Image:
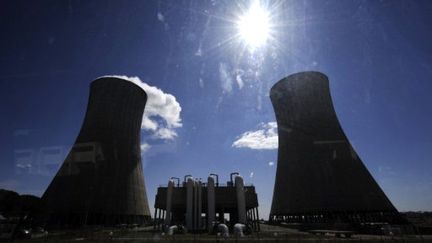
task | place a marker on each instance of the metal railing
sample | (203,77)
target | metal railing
(205,185)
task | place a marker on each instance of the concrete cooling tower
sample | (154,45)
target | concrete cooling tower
(101,180)
(319,178)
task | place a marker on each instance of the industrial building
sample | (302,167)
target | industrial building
(319,178)
(201,206)
(101,180)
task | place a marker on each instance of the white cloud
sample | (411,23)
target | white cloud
(265,137)
(160,17)
(162,111)
(148,124)
(225,77)
(239,79)
(271,163)
(199,51)
(251,174)
(145,147)
(165,133)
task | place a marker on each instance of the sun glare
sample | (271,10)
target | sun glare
(254,26)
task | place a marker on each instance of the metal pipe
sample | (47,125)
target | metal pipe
(189,203)
(186,176)
(210,203)
(178,180)
(217,178)
(195,203)
(241,200)
(199,204)
(231,177)
(172,230)
(223,229)
(170,189)
(239,229)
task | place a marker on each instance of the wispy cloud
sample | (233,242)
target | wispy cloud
(271,163)
(386,171)
(239,79)
(265,137)
(225,77)
(162,111)
(160,17)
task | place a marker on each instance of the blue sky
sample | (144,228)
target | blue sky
(377,55)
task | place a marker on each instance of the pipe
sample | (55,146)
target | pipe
(217,179)
(172,229)
(241,200)
(186,176)
(178,180)
(169,202)
(223,229)
(239,230)
(195,203)
(199,205)
(210,203)
(231,176)
(189,203)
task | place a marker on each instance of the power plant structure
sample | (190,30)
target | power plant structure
(203,206)
(101,180)
(319,178)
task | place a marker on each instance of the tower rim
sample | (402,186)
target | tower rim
(297,76)
(105,78)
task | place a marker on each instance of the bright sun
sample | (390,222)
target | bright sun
(254,26)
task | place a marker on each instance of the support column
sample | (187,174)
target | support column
(154,219)
(254,223)
(221,216)
(158,218)
(162,216)
(258,219)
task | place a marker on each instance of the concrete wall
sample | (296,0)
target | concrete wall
(318,171)
(106,188)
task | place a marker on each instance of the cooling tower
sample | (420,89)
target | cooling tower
(319,176)
(101,180)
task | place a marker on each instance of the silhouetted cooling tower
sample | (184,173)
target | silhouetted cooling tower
(319,176)
(101,180)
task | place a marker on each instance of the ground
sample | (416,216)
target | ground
(269,233)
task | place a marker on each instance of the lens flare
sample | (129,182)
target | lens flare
(254,26)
